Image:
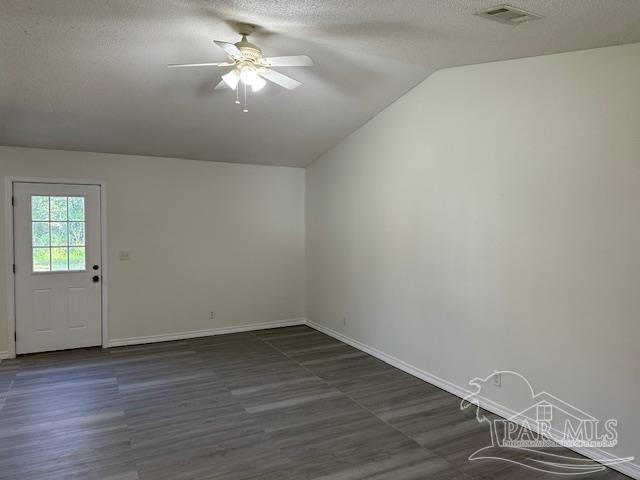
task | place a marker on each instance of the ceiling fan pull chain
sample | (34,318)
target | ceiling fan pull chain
(237,96)
(245,109)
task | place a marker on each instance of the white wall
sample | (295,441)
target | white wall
(203,236)
(490,219)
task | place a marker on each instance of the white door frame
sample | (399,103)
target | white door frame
(10,252)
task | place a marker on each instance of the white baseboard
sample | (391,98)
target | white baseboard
(628,468)
(4,355)
(396,362)
(120,342)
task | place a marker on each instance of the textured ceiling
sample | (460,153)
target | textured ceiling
(91,74)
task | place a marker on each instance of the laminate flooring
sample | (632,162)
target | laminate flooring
(281,404)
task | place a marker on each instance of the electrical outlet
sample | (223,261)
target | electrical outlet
(212,315)
(497,379)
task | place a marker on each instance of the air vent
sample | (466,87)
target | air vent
(508,14)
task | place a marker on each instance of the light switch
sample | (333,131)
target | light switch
(125,255)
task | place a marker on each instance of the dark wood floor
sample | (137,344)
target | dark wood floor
(285,404)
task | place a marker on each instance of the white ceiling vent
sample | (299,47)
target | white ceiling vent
(508,14)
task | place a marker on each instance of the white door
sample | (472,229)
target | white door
(58,265)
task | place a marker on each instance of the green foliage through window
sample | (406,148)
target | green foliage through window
(58,233)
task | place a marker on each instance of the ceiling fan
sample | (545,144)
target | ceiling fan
(250,68)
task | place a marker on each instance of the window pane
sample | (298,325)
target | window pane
(76,258)
(59,234)
(76,233)
(76,208)
(58,208)
(41,260)
(40,234)
(40,208)
(59,259)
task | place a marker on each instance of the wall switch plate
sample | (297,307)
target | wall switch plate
(124,255)
(344,321)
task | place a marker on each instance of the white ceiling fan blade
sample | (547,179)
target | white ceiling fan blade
(291,61)
(280,79)
(210,64)
(230,50)
(221,85)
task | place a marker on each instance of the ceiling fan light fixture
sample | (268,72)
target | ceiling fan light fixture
(231,79)
(258,83)
(248,75)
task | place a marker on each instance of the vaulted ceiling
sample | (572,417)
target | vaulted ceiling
(91,74)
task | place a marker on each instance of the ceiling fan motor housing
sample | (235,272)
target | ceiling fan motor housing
(249,50)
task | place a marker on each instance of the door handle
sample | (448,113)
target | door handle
(96,278)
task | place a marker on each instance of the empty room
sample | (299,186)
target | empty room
(319,240)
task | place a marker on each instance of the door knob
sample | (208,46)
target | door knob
(96,278)
(96,267)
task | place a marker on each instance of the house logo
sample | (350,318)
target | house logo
(537,433)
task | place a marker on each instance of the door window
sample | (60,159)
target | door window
(58,242)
